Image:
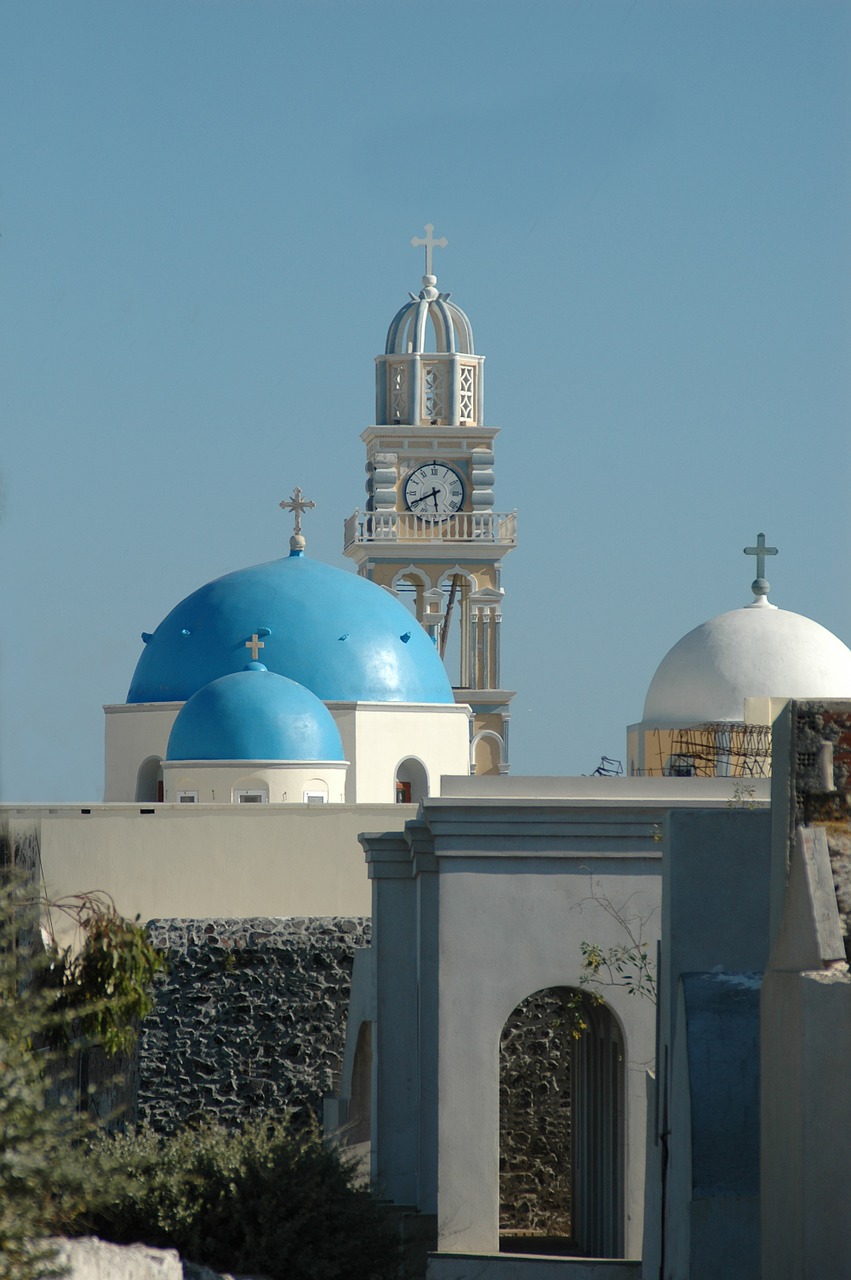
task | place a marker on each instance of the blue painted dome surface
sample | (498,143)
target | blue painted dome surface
(341,636)
(254,715)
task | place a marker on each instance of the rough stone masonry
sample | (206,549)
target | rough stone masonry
(249,1019)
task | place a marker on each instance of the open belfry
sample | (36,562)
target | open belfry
(429,532)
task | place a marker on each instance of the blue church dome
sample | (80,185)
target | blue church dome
(254,715)
(341,636)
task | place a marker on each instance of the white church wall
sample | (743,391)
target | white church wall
(378,736)
(133,732)
(282,782)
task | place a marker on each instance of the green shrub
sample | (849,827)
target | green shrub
(267,1199)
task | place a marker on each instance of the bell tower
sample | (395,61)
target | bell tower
(429,532)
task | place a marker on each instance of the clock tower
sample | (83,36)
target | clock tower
(429,532)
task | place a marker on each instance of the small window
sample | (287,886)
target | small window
(250,797)
(315,797)
(187,797)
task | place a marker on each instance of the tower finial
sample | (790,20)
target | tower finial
(430,244)
(297,504)
(760,585)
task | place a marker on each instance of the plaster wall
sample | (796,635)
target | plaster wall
(212,860)
(378,736)
(715,917)
(283,782)
(132,733)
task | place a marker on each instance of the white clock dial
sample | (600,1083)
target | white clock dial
(434,490)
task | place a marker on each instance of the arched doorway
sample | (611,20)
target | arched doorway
(149,780)
(561,1127)
(411,781)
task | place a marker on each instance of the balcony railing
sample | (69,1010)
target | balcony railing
(404,526)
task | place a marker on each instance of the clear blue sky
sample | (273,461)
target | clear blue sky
(205,222)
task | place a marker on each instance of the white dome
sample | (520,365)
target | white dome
(754,652)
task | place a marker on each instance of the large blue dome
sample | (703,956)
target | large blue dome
(254,715)
(339,635)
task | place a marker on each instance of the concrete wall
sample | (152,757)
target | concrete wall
(715,923)
(196,861)
(806,1098)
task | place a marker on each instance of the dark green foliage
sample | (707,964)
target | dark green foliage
(266,1199)
(43,1184)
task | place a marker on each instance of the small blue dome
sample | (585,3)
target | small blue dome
(254,715)
(341,636)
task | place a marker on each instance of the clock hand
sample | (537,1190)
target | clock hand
(425,496)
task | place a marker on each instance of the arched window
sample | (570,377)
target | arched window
(411,781)
(561,1127)
(149,780)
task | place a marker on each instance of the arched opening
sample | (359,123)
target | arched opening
(561,1127)
(454,639)
(409,586)
(149,780)
(250,790)
(487,752)
(411,781)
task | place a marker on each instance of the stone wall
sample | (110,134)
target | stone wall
(250,1018)
(536,1048)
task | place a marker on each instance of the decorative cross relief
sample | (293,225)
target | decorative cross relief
(255,644)
(430,244)
(297,504)
(760,551)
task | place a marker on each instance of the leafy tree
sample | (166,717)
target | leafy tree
(626,964)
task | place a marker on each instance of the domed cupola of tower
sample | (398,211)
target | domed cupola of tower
(429,375)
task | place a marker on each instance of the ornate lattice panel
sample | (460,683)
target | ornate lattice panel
(399,392)
(467,393)
(434,392)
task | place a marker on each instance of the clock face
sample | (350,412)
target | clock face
(434,490)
